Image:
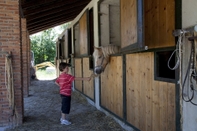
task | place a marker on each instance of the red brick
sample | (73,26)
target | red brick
(10,41)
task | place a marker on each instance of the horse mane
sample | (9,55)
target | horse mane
(109,50)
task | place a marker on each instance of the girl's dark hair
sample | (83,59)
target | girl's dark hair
(63,65)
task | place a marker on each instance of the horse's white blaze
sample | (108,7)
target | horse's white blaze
(95,55)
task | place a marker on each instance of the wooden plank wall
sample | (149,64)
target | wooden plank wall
(65,44)
(104,24)
(57,67)
(78,73)
(83,34)
(111,86)
(159,23)
(114,19)
(150,104)
(128,22)
(76,40)
(88,86)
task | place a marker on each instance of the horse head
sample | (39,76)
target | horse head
(101,57)
(100,61)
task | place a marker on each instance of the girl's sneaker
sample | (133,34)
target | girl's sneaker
(65,122)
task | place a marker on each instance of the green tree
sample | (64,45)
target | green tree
(43,44)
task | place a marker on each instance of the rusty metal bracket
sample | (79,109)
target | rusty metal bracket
(8,54)
(187,31)
(179,32)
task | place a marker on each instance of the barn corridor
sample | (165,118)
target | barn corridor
(42,112)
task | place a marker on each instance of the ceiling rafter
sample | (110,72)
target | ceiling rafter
(62,18)
(54,6)
(55,12)
(42,28)
(43,14)
(34,3)
(50,22)
(55,16)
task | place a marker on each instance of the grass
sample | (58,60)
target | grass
(43,74)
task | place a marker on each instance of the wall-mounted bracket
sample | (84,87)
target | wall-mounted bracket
(8,54)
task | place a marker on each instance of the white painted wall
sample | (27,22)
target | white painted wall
(96,43)
(189,13)
(189,19)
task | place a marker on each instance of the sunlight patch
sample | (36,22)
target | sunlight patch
(48,74)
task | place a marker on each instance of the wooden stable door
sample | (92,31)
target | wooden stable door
(150,103)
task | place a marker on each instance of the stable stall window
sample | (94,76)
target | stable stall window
(84,36)
(109,22)
(67,44)
(121,23)
(164,61)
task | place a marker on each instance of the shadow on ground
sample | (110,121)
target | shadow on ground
(42,112)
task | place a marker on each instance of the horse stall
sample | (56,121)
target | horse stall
(138,85)
(83,49)
(63,49)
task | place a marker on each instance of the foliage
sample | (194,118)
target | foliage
(64,26)
(43,44)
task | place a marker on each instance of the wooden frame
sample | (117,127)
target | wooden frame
(67,44)
(139,45)
(109,31)
(61,48)
(178,25)
(76,39)
(90,21)
(83,43)
(83,27)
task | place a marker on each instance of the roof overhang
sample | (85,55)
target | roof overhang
(44,14)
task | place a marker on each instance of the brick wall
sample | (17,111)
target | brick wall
(10,41)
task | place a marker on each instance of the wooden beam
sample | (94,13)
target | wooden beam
(47,24)
(44,14)
(54,6)
(35,3)
(53,12)
(22,1)
(55,16)
(52,21)
(36,30)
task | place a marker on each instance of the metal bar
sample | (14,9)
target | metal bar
(178,32)
(187,31)
(192,38)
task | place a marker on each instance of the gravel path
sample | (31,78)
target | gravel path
(42,112)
